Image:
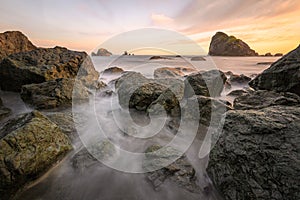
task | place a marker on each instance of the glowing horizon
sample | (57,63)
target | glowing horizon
(266,26)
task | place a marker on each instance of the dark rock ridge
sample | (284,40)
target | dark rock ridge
(102,52)
(257,154)
(158,58)
(43,64)
(262,99)
(29,145)
(224,45)
(198,58)
(3,110)
(14,42)
(54,93)
(281,76)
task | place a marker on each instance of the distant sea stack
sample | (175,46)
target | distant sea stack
(14,42)
(224,45)
(102,52)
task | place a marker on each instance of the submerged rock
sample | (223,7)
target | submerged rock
(208,83)
(112,70)
(158,58)
(14,42)
(257,154)
(239,79)
(168,72)
(262,99)
(224,45)
(4,112)
(54,93)
(43,64)
(238,92)
(281,76)
(198,58)
(180,172)
(29,145)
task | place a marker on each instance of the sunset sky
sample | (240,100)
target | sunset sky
(266,25)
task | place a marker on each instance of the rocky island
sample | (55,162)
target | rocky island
(223,45)
(102,52)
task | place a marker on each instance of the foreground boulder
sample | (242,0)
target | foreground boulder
(208,83)
(262,99)
(239,79)
(29,145)
(3,110)
(54,93)
(281,76)
(112,70)
(180,172)
(14,42)
(257,154)
(224,45)
(136,91)
(43,64)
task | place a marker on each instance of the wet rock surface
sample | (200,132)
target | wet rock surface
(29,145)
(257,154)
(181,172)
(168,72)
(4,112)
(281,76)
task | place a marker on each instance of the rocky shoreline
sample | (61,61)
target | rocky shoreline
(255,157)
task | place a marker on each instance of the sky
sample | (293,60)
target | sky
(266,25)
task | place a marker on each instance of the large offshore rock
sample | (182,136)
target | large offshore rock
(208,83)
(262,99)
(281,76)
(42,64)
(14,42)
(3,110)
(180,172)
(54,93)
(102,52)
(29,145)
(257,154)
(224,45)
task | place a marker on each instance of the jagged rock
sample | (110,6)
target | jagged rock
(264,63)
(3,110)
(29,145)
(198,58)
(43,64)
(168,72)
(281,76)
(239,79)
(257,154)
(54,93)
(208,83)
(112,70)
(102,52)
(180,172)
(224,45)
(14,42)
(262,99)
